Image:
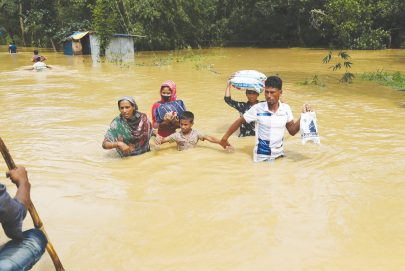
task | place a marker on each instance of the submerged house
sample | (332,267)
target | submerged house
(121,47)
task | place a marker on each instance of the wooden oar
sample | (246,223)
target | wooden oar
(33,212)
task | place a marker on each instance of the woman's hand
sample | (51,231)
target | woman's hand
(158,139)
(170,116)
(171,119)
(124,147)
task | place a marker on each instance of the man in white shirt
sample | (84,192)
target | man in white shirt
(271,117)
(39,65)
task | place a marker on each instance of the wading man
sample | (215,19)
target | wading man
(272,118)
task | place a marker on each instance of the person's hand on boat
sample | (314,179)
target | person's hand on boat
(18,176)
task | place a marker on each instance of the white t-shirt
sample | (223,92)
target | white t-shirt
(270,128)
(39,66)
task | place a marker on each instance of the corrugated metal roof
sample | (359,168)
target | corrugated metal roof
(78,35)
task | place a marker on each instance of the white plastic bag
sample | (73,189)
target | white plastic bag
(309,128)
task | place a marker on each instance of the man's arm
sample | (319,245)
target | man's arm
(227,98)
(294,127)
(19,177)
(14,210)
(234,126)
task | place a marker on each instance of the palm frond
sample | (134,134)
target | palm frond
(327,58)
(336,67)
(344,55)
(347,64)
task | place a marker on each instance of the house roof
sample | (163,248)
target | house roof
(78,35)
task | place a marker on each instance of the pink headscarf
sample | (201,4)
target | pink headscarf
(172,85)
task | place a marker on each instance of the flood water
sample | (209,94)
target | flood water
(336,206)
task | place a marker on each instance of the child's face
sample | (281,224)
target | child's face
(252,96)
(185,126)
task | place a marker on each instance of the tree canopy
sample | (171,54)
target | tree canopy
(174,24)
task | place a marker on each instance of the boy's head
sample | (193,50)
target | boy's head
(252,96)
(36,52)
(186,121)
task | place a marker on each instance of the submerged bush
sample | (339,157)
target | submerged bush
(395,79)
(313,81)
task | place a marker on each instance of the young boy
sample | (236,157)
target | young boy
(246,129)
(187,137)
(36,55)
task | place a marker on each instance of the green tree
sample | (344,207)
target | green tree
(73,15)
(105,22)
(9,18)
(351,24)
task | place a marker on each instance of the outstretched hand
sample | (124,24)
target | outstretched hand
(158,140)
(224,143)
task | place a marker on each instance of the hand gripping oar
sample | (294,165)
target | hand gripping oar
(34,215)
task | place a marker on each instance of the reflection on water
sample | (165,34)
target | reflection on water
(337,206)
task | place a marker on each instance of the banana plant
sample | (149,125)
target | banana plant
(343,61)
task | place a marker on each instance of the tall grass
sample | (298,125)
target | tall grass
(394,80)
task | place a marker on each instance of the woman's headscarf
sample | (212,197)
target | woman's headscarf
(172,85)
(129,99)
(134,121)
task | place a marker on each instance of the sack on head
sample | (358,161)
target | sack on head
(248,80)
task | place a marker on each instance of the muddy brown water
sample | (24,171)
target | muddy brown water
(336,206)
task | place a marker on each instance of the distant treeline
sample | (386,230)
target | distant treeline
(176,24)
